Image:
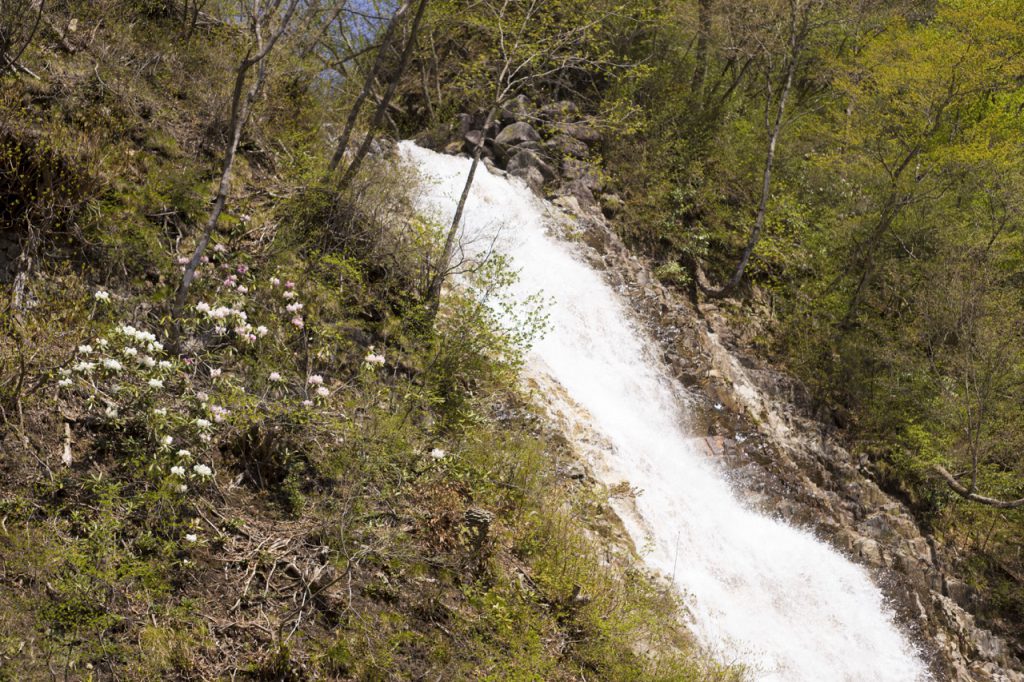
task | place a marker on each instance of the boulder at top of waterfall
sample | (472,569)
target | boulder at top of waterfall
(516,110)
(517,133)
(583,196)
(560,111)
(531,176)
(472,139)
(504,153)
(525,158)
(581,131)
(586,173)
(465,124)
(493,169)
(563,145)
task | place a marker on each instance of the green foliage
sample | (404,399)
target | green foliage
(276,483)
(892,246)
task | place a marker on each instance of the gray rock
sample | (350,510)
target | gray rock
(562,145)
(517,109)
(587,173)
(517,133)
(472,139)
(493,169)
(465,124)
(525,158)
(579,190)
(531,176)
(581,131)
(560,111)
(504,153)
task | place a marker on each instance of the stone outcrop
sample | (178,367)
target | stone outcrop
(551,148)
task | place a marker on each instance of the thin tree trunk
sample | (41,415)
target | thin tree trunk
(774,128)
(382,106)
(371,77)
(12,59)
(700,70)
(241,110)
(434,291)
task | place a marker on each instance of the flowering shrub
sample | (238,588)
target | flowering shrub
(237,365)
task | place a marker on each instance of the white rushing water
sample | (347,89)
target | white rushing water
(761,592)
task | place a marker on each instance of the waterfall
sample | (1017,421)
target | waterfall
(760,591)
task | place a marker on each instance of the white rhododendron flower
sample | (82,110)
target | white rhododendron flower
(316,380)
(191,537)
(203,423)
(166,440)
(101,295)
(85,348)
(112,364)
(202,470)
(275,376)
(184,453)
(64,382)
(155,383)
(438,454)
(323,391)
(178,470)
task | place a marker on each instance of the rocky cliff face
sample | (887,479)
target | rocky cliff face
(757,421)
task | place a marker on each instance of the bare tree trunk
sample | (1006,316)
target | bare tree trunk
(385,101)
(773,128)
(12,46)
(371,77)
(700,71)
(241,110)
(434,291)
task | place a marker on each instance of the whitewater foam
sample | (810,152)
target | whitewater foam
(760,591)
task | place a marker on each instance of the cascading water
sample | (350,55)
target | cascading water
(760,591)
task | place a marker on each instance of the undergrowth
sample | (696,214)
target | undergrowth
(306,477)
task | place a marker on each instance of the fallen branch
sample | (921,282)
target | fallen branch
(969,494)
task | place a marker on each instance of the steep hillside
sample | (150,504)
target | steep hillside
(305,474)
